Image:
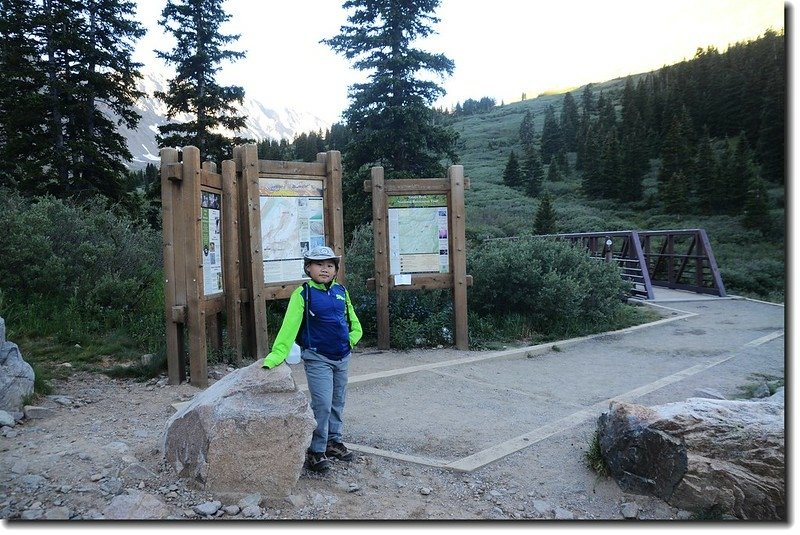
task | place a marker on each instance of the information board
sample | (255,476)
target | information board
(210,214)
(418,240)
(292,222)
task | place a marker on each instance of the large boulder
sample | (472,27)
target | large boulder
(704,455)
(16,375)
(247,433)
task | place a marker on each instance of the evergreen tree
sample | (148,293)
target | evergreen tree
(197,55)
(705,171)
(756,206)
(25,145)
(389,117)
(545,221)
(526,130)
(553,171)
(610,166)
(771,144)
(551,135)
(66,64)
(676,152)
(587,101)
(592,179)
(533,173)
(512,174)
(742,174)
(570,119)
(675,194)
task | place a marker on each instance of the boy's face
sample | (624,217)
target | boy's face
(322,271)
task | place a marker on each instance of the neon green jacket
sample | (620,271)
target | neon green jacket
(293,320)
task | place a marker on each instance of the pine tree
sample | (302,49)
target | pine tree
(533,173)
(197,55)
(705,171)
(676,152)
(610,166)
(25,146)
(553,171)
(592,178)
(756,206)
(551,135)
(675,194)
(512,174)
(526,130)
(66,65)
(742,173)
(389,116)
(545,221)
(570,119)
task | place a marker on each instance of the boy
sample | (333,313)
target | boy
(321,319)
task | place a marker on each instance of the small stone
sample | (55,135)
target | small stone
(425,491)
(630,510)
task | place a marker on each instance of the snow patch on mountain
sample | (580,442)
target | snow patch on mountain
(261,122)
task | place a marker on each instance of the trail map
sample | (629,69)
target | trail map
(418,236)
(291,224)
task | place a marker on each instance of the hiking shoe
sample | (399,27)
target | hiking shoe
(317,462)
(337,450)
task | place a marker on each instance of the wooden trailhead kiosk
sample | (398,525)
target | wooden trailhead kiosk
(235,239)
(419,242)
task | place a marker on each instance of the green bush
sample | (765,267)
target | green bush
(555,286)
(71,271)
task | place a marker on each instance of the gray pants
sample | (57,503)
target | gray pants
(327,386)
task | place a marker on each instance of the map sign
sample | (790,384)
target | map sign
(418,234)
(291,224)
(212,242)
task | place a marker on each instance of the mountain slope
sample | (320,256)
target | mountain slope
(262,122)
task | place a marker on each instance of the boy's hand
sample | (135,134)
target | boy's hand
(272,360)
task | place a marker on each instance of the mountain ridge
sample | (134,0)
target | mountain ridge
(261,123)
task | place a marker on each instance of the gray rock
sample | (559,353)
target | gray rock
(630,510)
(250,500)
(248,431)
(701,454)
(58,513)
(208,508)
(564,514)
(136,505)
(542,507)
(251,511)
(231,510)
(36,412)
(16,375)
(6,419)
(137,472)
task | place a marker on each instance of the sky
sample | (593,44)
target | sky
(501,48)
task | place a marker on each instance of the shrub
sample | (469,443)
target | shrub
(556,286)
(71,270)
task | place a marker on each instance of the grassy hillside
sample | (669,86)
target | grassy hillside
(751,264)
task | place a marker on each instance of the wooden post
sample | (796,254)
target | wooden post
(248,345)
(333,203)
(230,244)
(459,255)
(195,309)
(380,227)
(169,206)
(254,256)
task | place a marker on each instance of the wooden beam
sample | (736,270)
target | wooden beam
(380,227)
(458,255)
(231,258)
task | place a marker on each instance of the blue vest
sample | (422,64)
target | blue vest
(325,327)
